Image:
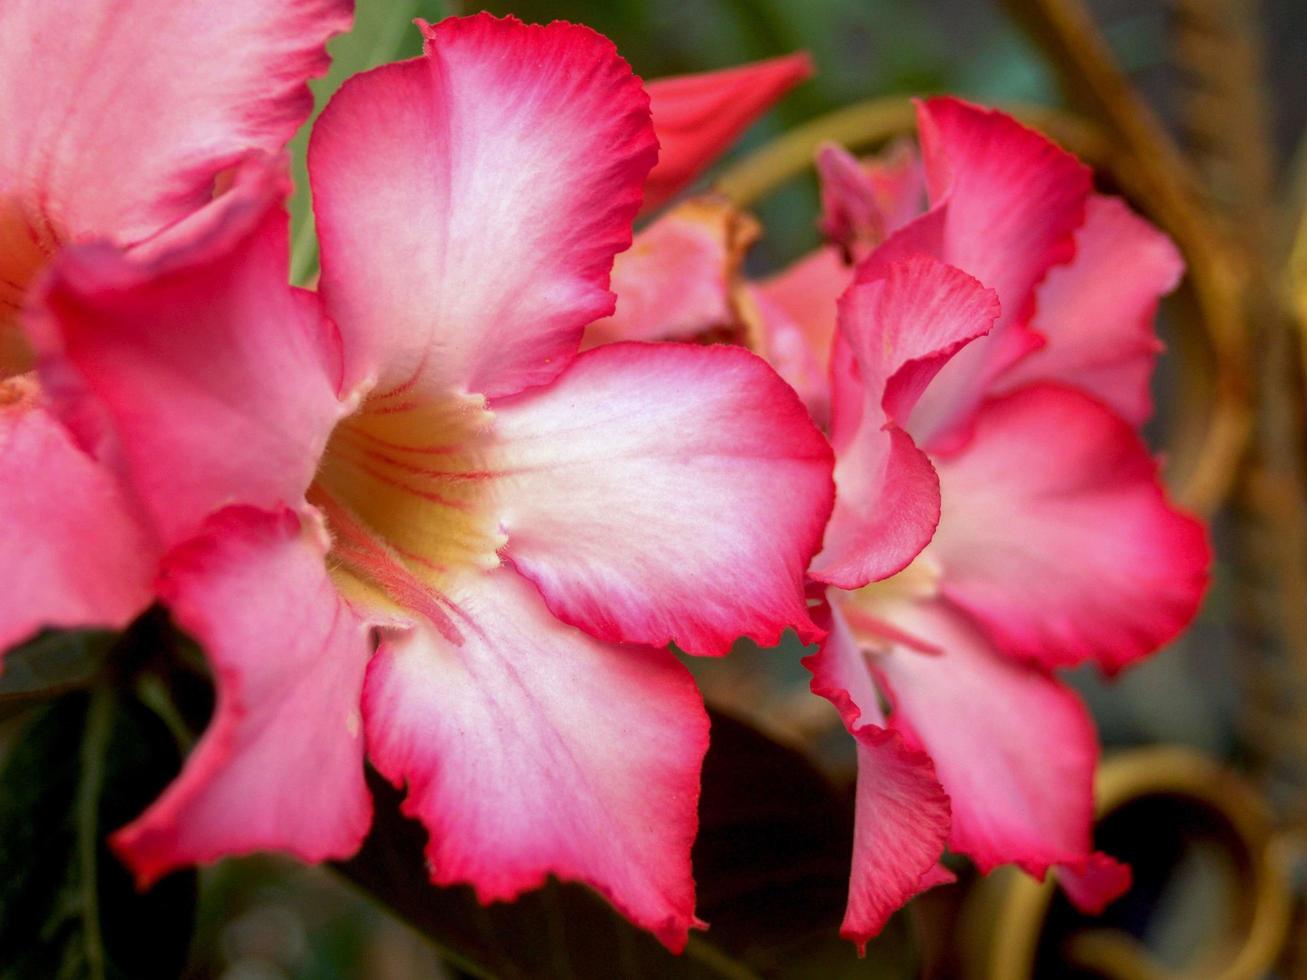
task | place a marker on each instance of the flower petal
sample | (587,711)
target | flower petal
(902,819)
(899,832)
(899,326)
(1097,313)
(677,280)
(638,487)
(863,201)
(1014,749)
(214,378)
(118,117)
(1058,537)
(795,329)
(72,551)
(1014,197)
(281,764)
(1005,204)
(697,117)
(1095,882)
(469,203)
(886,509)
(531,749)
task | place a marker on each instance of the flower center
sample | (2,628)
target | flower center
(406,490)
(27,241)
(920,580)
(20,390)
(870,610)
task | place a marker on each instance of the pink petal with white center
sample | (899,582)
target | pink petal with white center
(677,279)
(119,115)
(863,201)
(1058,537)
(697,117)
(1097,313)
(638,487)
(899,326)
(72,552)
(1013,748)
(795,312)
(469,204)
(1005,204)
(204,376)
(530,749)
(902,819)
(281,764)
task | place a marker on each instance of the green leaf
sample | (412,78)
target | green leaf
(771,862)
(54,662)
(84,765)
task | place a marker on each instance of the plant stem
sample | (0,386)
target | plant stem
(99,716)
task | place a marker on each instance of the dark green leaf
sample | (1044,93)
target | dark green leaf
(85,765)
(54,662)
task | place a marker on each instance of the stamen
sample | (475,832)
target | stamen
(363,553)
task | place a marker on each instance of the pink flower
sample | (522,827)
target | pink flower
(977,423)
(420,452)
(178,97)
(982,379)
(117,121)
(697,117)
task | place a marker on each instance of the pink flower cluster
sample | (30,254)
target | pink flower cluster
(409,520)
(989,367)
